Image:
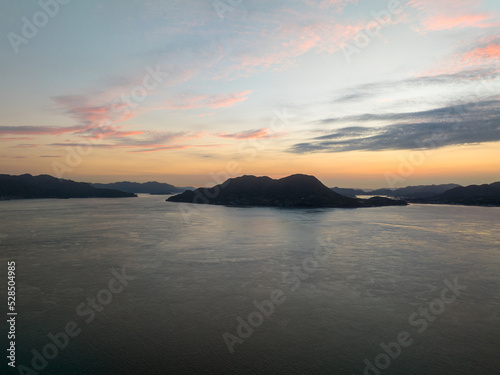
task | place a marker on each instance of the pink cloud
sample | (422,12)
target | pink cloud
(83,109)
(122,98)
(146,141)
(297,34)
(443,22)
(482,57)
(491,51)
(451,14)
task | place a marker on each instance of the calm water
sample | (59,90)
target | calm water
(376,267)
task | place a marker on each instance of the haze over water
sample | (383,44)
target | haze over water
(194,279)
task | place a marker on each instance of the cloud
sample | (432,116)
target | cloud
(275,34)
(9,139)
(480,57)
(208,101)
(121,98)
(248,134)
(92,111)
(26,145)
(158,138)
(91,132)
(469,110)
(371,90)
(452,14)
(151,140)
(470,123)
(270,35)
(175,147)
(483,53)
(107,131)
(39,130)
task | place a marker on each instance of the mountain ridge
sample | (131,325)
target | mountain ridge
(150,187)
(26,186)
(472,195)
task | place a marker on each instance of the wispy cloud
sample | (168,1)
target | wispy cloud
(248,134)
(476,60)
(488,52)
(452,14)
(175,147)
(146,140)
(91,110)
(454,112)
(26,145)
(39,130)
(215,101)
(9,139)
(457,125)
(369,91)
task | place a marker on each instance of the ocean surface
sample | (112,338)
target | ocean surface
(319,291)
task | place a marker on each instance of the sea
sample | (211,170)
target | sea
(145,286)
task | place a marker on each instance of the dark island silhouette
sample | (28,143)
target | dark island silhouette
(151,187)
(27,186)
(348,192)
(473,195)
(414,192)
(293,191)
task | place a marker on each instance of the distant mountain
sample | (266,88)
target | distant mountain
(292,191)
(419,191)
(473,195)
(349,192)
(44,186)
(151,187)
(422,191)
(383,191)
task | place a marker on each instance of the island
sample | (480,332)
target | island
(27,186)
(151,187)
(487,195)
(297,190)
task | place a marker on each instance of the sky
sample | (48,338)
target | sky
(359,93)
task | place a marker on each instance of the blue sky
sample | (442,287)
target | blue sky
(176,90)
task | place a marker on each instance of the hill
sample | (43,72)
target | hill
(418,191)
(27,186)
(348,192)
(473,195)
(422,191)
(293,191)
(151,187)
(383,191)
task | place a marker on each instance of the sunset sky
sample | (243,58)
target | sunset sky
(359,93)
